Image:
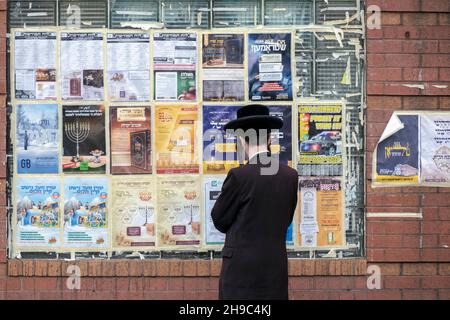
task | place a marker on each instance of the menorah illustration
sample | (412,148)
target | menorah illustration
(77,132)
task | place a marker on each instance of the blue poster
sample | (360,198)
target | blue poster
(85,213)
(37,212)
(398,154)
(37,138)
(269,66)
(219,149)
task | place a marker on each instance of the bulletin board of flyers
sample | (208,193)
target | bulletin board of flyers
(119,144)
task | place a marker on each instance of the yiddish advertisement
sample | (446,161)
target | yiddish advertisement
(223,67)
(435,148)
(133,212)
(397,152)
(213,187)
(37,141)
(321,212)
(320,134)
(84,146)
(130,137)
(178,216)
(128,66)
(219,149)
(86,222)
(82,66)
(269,66)
(35,65)
(176,139)
(37,213)
(175,63)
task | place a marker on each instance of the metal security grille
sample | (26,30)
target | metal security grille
(24,14)
(94,14)
(185,14)
(329,62)
(133,11)
(229,13)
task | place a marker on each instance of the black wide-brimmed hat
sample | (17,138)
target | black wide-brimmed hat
(254,116)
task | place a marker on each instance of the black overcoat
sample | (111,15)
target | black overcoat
(255,211)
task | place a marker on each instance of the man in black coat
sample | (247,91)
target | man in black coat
(255,209)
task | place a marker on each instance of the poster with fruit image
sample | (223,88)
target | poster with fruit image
(178,211)
(133,210)
(86,222)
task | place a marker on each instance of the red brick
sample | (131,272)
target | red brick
(191,283)
(402,32)
(13,284)
(435,32)
(419,19)
(416,269)
(156,284)
(420,103)
(420,74)
(384,294)
(444,102)
(436,200)
(404,254)
(203,268)
(435,282)
(419,294)
(436,60)
(105,284)
(390,18)
(176,283)
(392,60)
(384,46)
(444,46)
(444,269)
(393,200)
(301,283)
(444,74)
(46,284)
(396,6)
(390,269)
(189,268)
(384,102)
(376,74)
(176,268)
(401,282)
(435,6)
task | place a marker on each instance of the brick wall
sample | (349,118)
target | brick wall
(412,48)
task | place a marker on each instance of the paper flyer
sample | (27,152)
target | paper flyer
(213,187)
(178,211)
(35,65)
(84,146)
(130,138)
(397,154)
(81,57)
(37,141)
(37,213)
(174,64)
(435,148)
(128,66)
(176,139)
(223,67)
(321,212)
(220,150)
(320,134)
(86,221)
(269,66)
(133,212)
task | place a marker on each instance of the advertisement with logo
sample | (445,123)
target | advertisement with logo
(84,145)
(321,212)
(130,139)
(86,221)
(320,134)
(269,66)
(37,140)
(37,213)
(435,148)
(397,153)
(178,211)
(176,139)
(133,212)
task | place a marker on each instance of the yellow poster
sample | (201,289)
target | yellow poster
(176,139)
(321,212)
(133,207)
(178,211)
